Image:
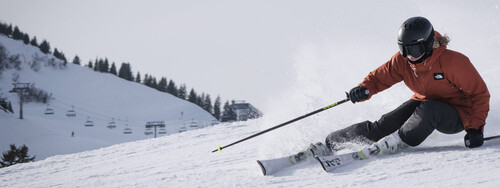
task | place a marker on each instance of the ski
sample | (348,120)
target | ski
(272,166)
(332,162)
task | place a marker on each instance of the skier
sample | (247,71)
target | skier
(449,96)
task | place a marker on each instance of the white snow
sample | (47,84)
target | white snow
(323,70)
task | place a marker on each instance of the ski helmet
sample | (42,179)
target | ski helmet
(416,37)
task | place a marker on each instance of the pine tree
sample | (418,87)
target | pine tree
(182,93)
(3,28)
(200,100)
(125,72)
(217,112)
(16,155)
(112,70)
(76,60)
(90,65)
(34,42)
(17,34)
(162,85)
(138,77)
(172,88)
(8,31)
(192,96)
(26,38)
(146,80)
(63,57)
(45,47)
(154,83)
(207,104)
(60,55)
(105,65)
(56,53)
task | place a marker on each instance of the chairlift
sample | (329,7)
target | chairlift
(71,113)
(193,124)
(127,131)
(89,123)
(182,129)
(162,130)
(112,124)
(49,111)
(148,131)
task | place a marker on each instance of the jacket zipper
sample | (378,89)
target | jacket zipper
(415,69)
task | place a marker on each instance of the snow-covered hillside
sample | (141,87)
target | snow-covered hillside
(97,97)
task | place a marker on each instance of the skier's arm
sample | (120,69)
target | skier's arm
(384,76)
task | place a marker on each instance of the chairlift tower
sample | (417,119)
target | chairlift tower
(155,125)
(21,89)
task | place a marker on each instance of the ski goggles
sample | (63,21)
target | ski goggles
(415,50)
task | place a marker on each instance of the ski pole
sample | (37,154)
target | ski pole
(283,124)
(492,137)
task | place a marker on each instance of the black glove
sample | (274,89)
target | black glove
(473,138)
(358,93)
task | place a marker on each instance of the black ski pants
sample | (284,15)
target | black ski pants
(414,120)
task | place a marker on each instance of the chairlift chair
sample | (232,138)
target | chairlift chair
(112,124)
(49,111)
(193,124)
(148,131)
(127,131)
(182,129)
(71,113)
(89,123)
(162,131)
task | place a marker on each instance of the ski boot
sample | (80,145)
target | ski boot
(319,149)
(388,145)
(312,151)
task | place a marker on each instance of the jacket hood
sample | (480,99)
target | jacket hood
(440,40)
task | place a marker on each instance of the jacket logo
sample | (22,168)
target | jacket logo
(438,76)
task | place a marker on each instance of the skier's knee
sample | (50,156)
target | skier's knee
(410,140)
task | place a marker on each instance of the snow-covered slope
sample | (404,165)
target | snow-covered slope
(98,97)
(185,160)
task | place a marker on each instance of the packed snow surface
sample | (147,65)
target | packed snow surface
(185,160)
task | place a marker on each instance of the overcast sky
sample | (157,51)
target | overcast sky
(243,50)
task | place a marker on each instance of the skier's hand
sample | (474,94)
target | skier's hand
(473,138)
(358,93)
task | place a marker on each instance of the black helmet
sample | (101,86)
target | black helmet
(416,37)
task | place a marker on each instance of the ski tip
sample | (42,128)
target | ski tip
(320,162)
(262,167)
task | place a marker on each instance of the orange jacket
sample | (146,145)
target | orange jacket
(445,76)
